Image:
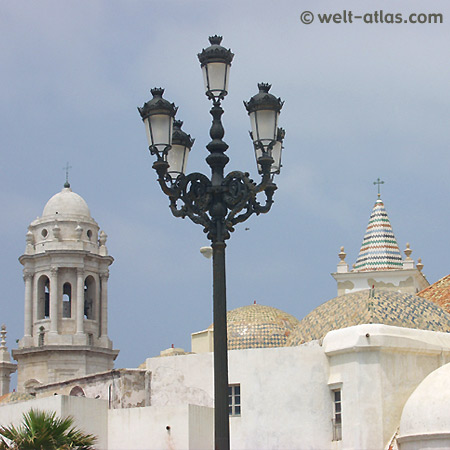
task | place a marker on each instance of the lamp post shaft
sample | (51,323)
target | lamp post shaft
(218,210)
(221,417)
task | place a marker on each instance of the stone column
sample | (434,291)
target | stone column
(28,278)
(80,301)
(35,296)
(6,366)
(104,303)
(54,300)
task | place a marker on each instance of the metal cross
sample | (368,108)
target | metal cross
(67,172)
(379,182)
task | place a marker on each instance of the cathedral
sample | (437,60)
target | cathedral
(367,369)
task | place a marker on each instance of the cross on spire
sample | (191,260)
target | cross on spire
(379,182)
(67,184)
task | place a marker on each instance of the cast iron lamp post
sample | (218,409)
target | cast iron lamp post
(220,202)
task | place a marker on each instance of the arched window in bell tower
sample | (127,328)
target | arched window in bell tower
(89,297)
(67,300)
(43,298)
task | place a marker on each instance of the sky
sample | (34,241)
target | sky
(362,101)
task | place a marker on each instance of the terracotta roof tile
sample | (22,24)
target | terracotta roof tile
(438,293)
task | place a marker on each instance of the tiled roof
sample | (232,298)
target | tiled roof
(370,306)
(438,293)
(13,397)
(258,326)
(379,250)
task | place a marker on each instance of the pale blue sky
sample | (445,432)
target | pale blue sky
(362,101)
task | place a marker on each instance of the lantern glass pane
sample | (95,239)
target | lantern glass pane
(258,154)
(177,159)
(266,126)
(215,76)
(185,160)
(147,132)
(160,130)
(276,155)
(253,125)
(205,77)
(227,76)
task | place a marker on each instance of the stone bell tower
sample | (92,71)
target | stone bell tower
(66,295)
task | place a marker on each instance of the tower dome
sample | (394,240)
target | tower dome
(370,306)
(258,326)
(68,203)
(66,223)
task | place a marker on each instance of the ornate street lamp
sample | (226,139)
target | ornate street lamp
(158,115)
(220,202)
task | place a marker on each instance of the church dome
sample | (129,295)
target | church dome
(258,326)
(426,413)
(66,202)
(370,306)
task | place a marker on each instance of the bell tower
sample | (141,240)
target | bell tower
(66,295)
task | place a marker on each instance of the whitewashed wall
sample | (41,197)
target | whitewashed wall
(190,428)
(284,394)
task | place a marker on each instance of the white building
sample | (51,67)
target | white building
(365,370)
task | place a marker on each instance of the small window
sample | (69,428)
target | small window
(90,339)
(89,297)
(337,415)
(234,400)
(110,399)
(67,300)
(43,294)
(89,234)
(77,391)
(44,233)
(47,301)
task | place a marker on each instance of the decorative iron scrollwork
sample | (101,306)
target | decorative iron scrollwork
(219,203)
(194,191)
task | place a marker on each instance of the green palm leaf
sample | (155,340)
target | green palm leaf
(41,430)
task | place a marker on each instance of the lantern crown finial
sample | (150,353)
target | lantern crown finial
(215,40)
(179,136)
(157,92)
(215,52)
(157,105)
(264,100)
(264,87)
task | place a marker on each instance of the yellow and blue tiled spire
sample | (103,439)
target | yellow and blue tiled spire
(379,250)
